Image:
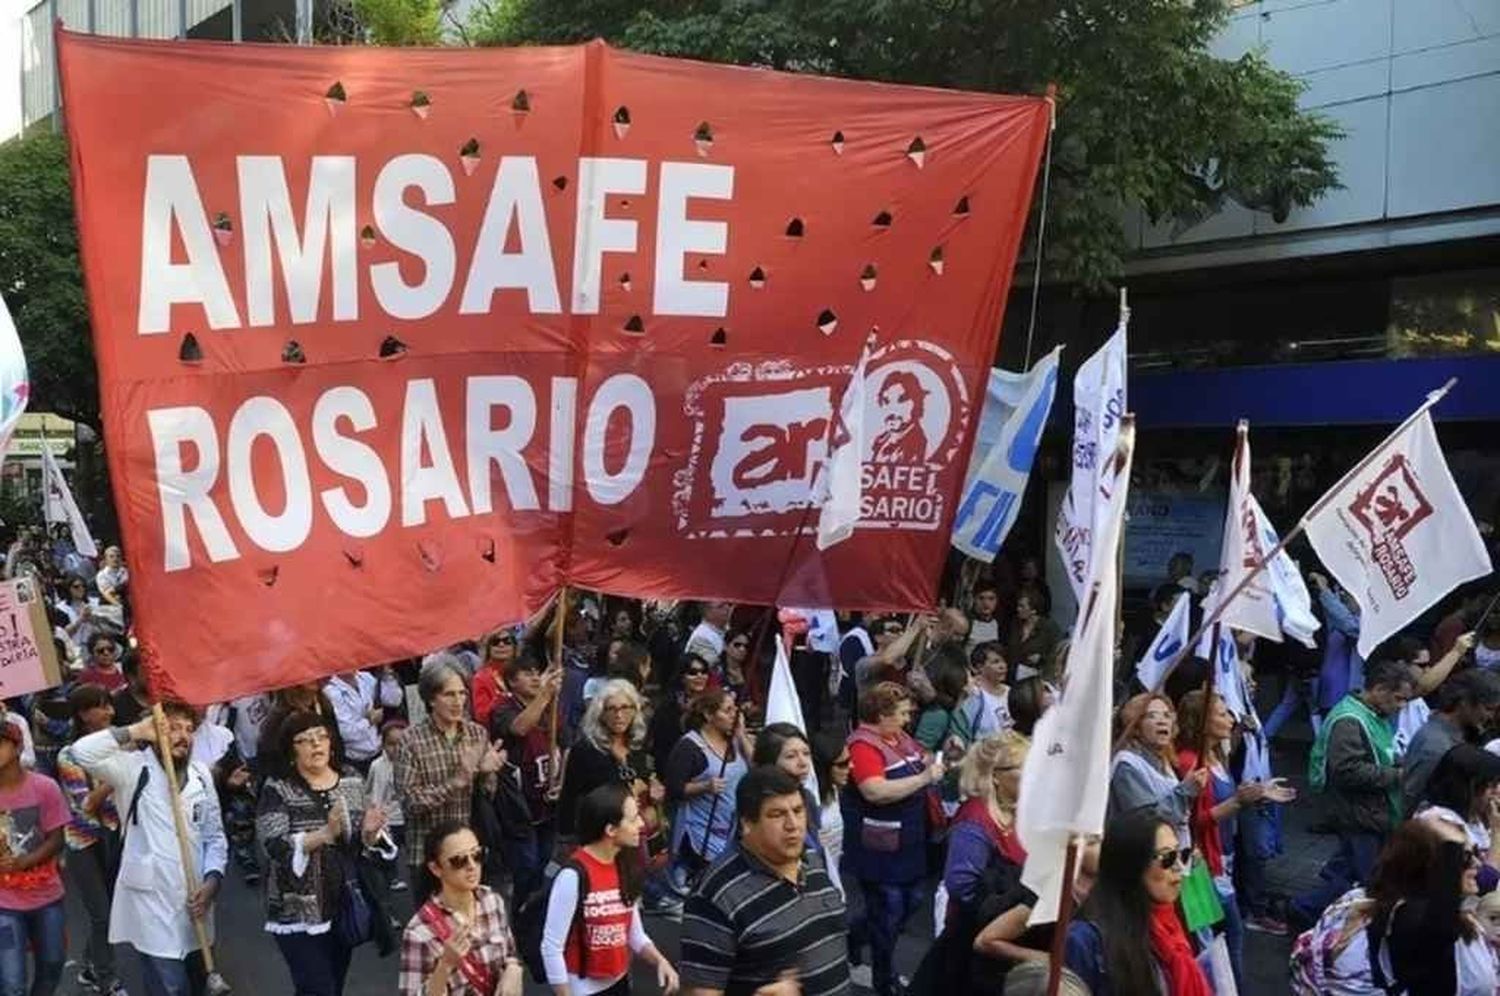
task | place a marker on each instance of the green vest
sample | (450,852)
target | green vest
(1378,733)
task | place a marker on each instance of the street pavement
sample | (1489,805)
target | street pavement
(251,963)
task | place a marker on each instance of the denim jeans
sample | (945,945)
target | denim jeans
(1349,867)
(173,976)
(90,875)
(42,930)
(527,859)
(888,905)
(318,962)
(1299,691)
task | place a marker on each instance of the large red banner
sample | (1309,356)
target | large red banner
(394,342)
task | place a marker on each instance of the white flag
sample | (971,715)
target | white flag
(1229,680)
(1294,611)
(1098,404)
(1065,781)
(1015,413)
(1151,669)
(55,486)
(1398,535)
(15,386)
(1253,609)
(842,475)
(784,705)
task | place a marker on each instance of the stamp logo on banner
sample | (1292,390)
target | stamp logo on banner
(1389,508)
(760,438)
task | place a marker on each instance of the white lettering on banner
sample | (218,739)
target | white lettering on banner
(622,409)
(328,221)
(325,240)
(1099,404)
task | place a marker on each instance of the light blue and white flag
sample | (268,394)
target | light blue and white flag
(1294,612)
(1005,444)
(1154,667)
(15,385)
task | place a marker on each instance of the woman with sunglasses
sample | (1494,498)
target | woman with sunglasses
(701,775)
(103,665)
(1128,939)
(594,907)
(314,823)
(831,763)
(1143,772)
(496,651)
(459,942)
(666,721)
(77,607)
(732,663)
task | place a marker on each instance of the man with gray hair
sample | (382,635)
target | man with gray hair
(440,763)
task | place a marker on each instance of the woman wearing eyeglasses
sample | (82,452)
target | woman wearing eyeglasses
(701,775)
(593,922)
(496,651)
(666,721)
(1143,772)
(1128,939)
(610,748)
(314,823)
(732,663)
(459,942)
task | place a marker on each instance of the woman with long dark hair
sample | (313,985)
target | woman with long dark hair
(594,907)
(732,664)
(784,746)
(1464,790)
(667,720)
(1128,939)
(92,836)
(1026,701)
(701,775)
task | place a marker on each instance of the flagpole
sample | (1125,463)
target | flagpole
(1064,917)
(1260,565)
(558,646)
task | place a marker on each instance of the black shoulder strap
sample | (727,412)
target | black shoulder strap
(578,924)
(132,815)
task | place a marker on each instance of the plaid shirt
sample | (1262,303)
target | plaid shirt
(425,768)
(421,949)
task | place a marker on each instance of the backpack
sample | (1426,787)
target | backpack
(530,921)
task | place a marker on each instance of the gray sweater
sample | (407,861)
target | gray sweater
(1131,789)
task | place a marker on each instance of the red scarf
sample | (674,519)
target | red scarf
(1204,827)
(1004,838)
(1169,943)
(474,970)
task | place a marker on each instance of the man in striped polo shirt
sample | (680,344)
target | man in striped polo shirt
(767,912)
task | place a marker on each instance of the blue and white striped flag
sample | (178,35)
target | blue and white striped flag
(1153,667)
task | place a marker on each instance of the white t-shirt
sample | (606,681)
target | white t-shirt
(989,713)
(1486,657)
(707,641)
(983,632)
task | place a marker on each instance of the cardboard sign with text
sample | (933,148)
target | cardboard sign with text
(28,657)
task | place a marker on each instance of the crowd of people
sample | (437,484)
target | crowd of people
(541,808)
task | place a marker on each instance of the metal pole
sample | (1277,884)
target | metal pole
(135,18)
(93,16)
(237,20)
(56,79)
(182,19)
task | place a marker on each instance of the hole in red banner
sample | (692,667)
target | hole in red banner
(795,229)
(757,278)
(487,549)
(625,282)
(703,138)
(621,121)
(431,554)
(223,229)
(719,339)
(468,155)
(935,260)
(560,182)
(703,263)
(367,236)
(335,98)
(421,104)
(867,277)
(190,351)
(961,209)
(838,143)
(391,347)
(635,326)
(355,556)
(521,102)
(827,321)
(917,151)
(617,537)
(268,576)
(292,352)
(882,220)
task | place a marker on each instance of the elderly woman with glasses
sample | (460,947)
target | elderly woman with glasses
(459,942)
(611,747)
(496,651)
(313,822)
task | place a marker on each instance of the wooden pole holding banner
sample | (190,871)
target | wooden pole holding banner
(1064,917)
(559,636)
(184,849)
(1260,565)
